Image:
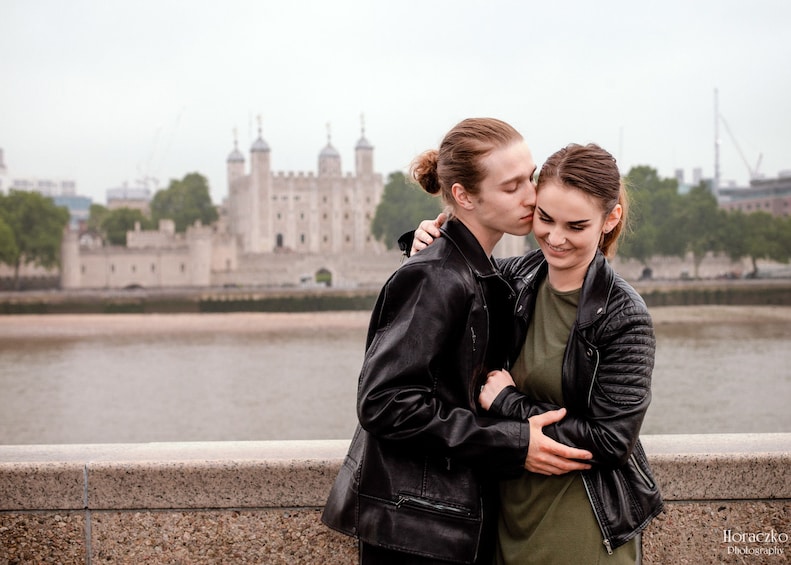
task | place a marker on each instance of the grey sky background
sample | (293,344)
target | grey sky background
(106,92)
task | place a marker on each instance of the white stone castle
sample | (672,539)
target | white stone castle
(325,213)
(275,229)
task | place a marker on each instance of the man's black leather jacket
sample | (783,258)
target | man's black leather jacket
(606,385)
(419,476)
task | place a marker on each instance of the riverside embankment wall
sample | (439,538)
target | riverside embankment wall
(728,501)
(196,300)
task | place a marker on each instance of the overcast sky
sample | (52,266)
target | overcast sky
(107,92)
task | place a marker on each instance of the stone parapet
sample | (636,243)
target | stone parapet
(260,502)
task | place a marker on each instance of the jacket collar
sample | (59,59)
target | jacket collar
(596,290)
(470,249)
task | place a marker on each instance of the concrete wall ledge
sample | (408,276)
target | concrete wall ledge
(207,502)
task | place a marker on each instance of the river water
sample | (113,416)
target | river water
(258,376)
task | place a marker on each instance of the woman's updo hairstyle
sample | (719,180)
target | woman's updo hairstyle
(592,170)
(458,159)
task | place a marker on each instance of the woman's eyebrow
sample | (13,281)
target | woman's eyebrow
(572,223)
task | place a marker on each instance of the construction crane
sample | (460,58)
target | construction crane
(754,171)
(719,118)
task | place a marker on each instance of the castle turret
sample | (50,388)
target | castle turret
(70,260)
(199,240)
(363,154)
(235,163)
(260,195)
(329,159)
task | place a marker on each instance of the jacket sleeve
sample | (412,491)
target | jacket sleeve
(608,424)
(408,391)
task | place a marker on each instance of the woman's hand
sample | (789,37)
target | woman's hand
(427,231)
(496,381)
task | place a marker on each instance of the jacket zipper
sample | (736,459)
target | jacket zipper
(605,541)
(642,473)
(416,502)
(593,379)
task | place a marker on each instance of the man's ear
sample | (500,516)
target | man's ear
(462,197)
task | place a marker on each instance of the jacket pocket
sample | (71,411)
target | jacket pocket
(420,503)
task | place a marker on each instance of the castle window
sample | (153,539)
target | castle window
(348,239)
(346,216)
(183,267)
(134,268)
(325,215)
(153,267)
(112,268)
(278,215)
(325,239)
(324,199)
(302,238)
(82,269)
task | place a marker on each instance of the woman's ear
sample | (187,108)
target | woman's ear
(462,197)
(612,219)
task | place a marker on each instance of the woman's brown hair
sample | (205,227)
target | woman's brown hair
(594,171)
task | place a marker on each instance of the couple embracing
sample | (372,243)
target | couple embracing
(500,401)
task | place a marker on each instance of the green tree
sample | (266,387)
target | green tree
(184,202)
(116,223)
(701,223)
(36,226)
(96,216)
(404,204)
(763,238)
(653,217)
(8,248)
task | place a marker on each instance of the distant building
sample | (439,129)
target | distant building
(79,209)
(274,230)
(45,186)
(136,198)
(62,191)
(328,212)
(767,195)
(697,176)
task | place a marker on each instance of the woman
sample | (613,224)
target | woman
(584,341)
(416,485)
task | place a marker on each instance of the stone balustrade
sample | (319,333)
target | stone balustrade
(728,501)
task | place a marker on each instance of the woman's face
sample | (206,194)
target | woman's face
(507,197)
(568,226)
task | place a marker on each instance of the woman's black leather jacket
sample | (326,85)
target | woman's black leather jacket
(419,474)
(606,385)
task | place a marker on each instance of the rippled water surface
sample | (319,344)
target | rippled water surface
(136,378)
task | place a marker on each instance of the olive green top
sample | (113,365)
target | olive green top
(548,519)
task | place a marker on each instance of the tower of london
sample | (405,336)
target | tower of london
(327,212)
(277,229)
